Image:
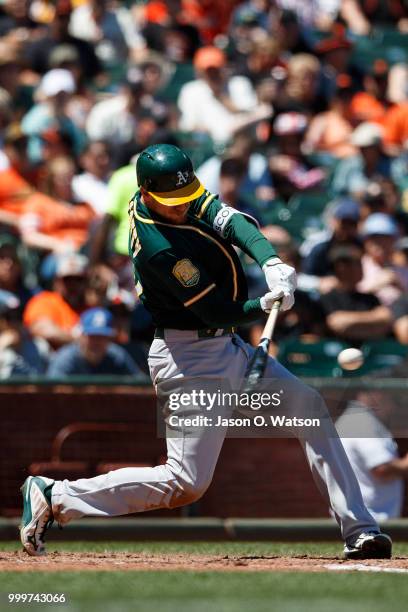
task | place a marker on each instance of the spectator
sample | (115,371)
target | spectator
(14,14)
(44,223)
(329,132)
(305,318)
(54,143)
(55,90)
(15,152)
(114,120)
(10,76)
(38,52)
(92,185)
(289,33)
(350,314)
(110,241)
(372,200)
(374,454)
(232,175)
(362,15)
(399,310)
(380,276)
(270,107)
(301,90)
(11,269)
(256,186)
(5,118)
(54,315)
(66,57)
(400,253)
(216,103)
(93,352)
(335,53)
(371,104)
(353,174)
(318,14)
(59,177)
(396,128)
(343,224)
(94,22)
(262,58)
(20,354)
(210,17)
(102,282)
(290,169)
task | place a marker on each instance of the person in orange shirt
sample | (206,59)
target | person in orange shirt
(396,128)
(372,103)
(44,222)
(330,131)
(54,315)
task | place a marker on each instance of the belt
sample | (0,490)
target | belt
(193,333)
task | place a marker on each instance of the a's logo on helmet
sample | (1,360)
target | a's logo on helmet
(182,178)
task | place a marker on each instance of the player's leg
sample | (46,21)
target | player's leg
(325,454)
(191,460)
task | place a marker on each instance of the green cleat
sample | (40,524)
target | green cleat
(37,514)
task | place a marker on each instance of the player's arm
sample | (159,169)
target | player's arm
(242,231)
(188,281)
(236,228)
(396,468)
(358,325)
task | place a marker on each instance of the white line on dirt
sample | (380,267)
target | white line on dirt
(360,567)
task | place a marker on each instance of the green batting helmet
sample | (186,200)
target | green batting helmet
(167,174)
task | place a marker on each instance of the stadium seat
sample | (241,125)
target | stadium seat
(315,358)
(379,46)
(382,354)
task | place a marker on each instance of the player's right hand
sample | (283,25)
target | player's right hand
(278,293)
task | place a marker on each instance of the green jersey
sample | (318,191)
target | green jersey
(189,276)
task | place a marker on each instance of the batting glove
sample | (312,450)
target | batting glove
(281,280)
(268,300)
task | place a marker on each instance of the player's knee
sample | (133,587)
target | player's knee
(188,492)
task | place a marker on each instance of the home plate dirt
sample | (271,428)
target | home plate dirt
(64,561)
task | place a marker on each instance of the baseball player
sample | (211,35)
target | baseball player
(188,275)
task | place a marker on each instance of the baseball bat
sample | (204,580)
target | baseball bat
(257,364)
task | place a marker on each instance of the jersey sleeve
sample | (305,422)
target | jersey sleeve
(235,227)
(189,282)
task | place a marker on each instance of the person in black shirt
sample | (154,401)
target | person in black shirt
(352,315)
(37,54)
(344,227)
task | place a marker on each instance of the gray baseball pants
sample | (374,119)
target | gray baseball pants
(191,461)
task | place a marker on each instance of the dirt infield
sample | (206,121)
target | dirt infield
(63,561)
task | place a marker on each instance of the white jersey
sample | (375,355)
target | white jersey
(382,498)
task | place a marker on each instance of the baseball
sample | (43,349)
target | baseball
(350,359)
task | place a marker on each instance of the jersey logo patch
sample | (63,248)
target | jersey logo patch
(186,273)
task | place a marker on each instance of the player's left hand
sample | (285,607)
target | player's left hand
(281,280)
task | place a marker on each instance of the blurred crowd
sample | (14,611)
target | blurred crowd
(294,112)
